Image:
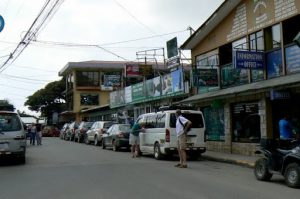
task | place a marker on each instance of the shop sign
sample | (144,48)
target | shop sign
(292,54)
(277,95)
(249,60)
(132,70)
(172,49)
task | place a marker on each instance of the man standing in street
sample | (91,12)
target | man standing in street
(134,138)
(182,124)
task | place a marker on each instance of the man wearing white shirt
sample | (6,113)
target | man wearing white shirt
(182,124)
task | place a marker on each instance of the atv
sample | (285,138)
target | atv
(276,159)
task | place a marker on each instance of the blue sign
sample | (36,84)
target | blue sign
(249,60)
(1,23)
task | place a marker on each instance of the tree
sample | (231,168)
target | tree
(5,105)
(48,100)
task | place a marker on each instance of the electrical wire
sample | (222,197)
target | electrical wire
(33,31)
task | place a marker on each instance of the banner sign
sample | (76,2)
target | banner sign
(132,70)
(249,60)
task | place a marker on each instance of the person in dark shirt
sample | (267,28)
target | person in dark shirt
(134,139)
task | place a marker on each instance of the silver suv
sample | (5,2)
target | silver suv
(97,130)
(12,136)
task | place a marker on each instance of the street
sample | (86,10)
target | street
(61,169)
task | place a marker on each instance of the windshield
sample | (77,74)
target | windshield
(9,122)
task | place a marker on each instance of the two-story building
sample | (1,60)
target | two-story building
(246,71)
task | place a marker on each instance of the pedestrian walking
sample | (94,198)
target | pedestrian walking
(39,134)
(134,138)
(182,125)
(32,134)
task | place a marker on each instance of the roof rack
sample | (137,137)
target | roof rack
(175,107)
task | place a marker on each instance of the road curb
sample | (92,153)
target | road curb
(230,161)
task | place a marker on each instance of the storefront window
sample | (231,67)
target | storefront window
(256,43)
(89,99)
(274,63)
(205,76)
(214,122)
(273,37)
(245,122)
(231,76)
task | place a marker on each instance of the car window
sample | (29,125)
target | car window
(196,119)
(124,128)
(106,125)
(9,122)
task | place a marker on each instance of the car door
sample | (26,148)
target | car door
(109,135)
(91,133)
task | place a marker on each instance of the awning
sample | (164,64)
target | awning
(256,87)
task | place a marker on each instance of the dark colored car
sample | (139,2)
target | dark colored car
(80,133)
(116,137)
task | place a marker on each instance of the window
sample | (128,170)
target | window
(214,120)
(90,78)
(9,122)
(89,99)
(196,119)
(256,43)
(245,122)
(273,37)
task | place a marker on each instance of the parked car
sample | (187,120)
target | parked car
(12,136)
(95,133)
(63,131)
(160,137)
(50,131)
(70,133)
(80,133)
(117,136)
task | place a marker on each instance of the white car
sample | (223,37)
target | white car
(160,138)
(12,136)
(95,133)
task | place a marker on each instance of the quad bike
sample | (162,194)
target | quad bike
(274,160)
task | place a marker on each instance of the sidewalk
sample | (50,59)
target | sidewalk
(243,160)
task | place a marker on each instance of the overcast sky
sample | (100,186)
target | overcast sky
(122,27)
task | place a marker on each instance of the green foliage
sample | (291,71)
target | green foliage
(48,100)
(6,106)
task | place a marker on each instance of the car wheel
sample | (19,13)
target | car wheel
(86,140)
(157,152)
(103,144)
(115,147)
(261,170)
(292,175)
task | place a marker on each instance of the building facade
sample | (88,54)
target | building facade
(246,73)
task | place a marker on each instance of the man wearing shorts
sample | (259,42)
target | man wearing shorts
(134,138)
(182,124)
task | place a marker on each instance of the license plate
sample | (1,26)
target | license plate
(3,146)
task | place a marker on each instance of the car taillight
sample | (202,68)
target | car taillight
(20,137)
(167,135)
(121,135)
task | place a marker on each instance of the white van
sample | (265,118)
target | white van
(12,135)
(160,139)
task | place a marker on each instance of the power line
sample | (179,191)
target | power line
(135,18)
(44,16)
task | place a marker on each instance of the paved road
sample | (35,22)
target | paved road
(66,170)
